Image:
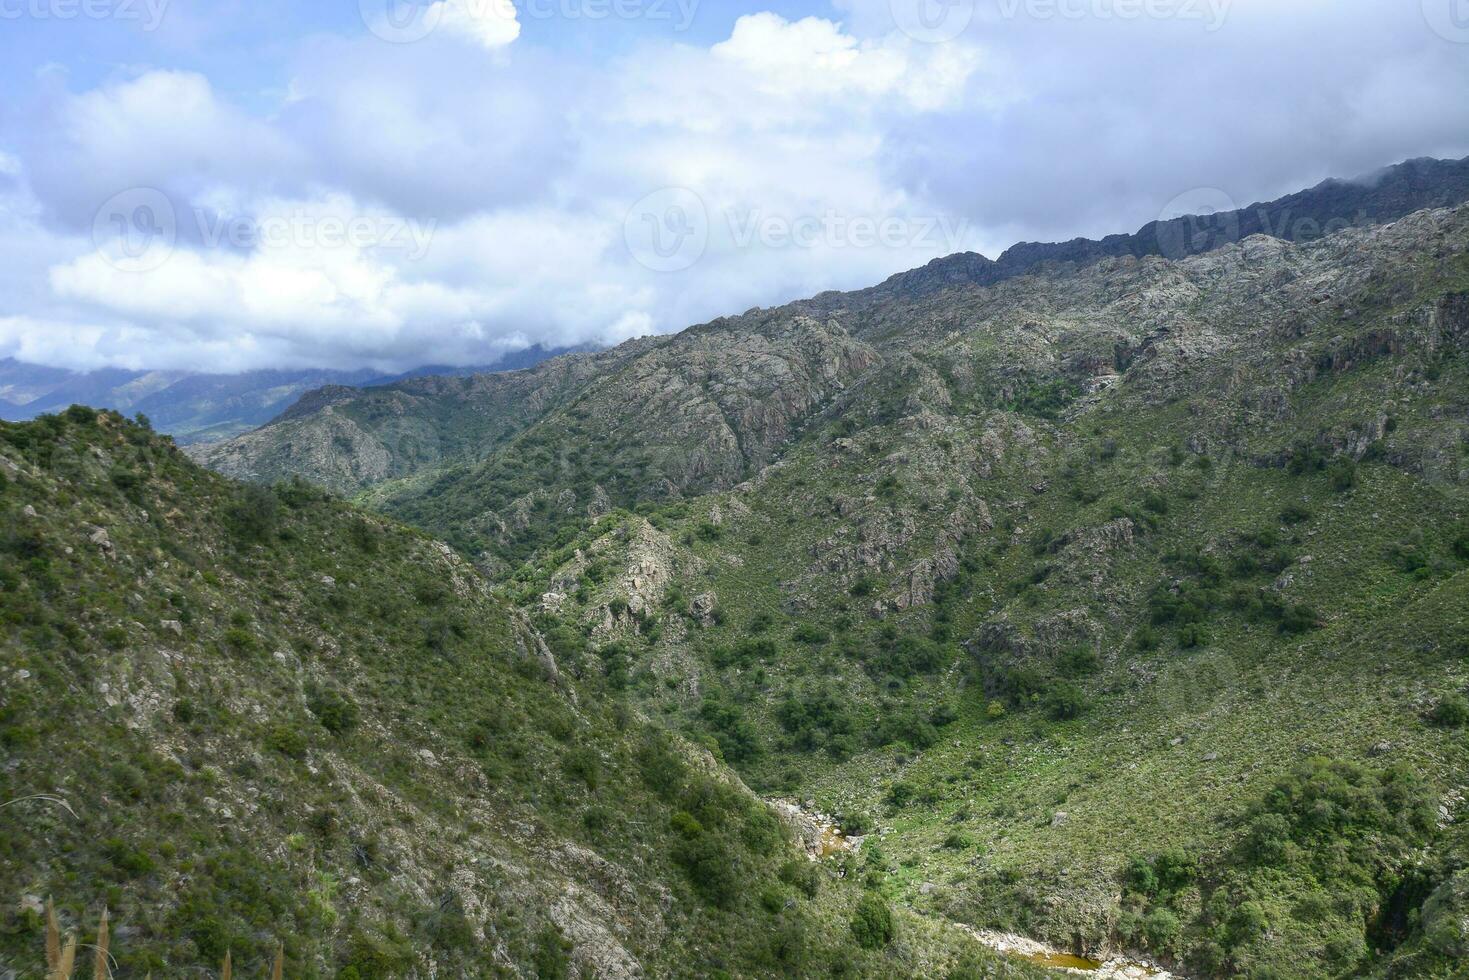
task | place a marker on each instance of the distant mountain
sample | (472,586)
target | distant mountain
(198,408)
(1333,205)
(349,439)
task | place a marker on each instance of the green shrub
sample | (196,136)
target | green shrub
(1342,474)
(1065,701)
(1140,877)
(1452,711)
(810,633)
(1161,927)
(872,923)
(336,712)
(253,516)
(583,765)
(552,957)
(286,740)
(1295,514)
(1079,662)
(802,875)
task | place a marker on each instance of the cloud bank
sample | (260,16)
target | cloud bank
(441,186)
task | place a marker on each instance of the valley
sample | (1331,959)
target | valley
(1115,604)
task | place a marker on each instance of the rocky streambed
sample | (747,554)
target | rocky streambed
(1112,968)
(818,832)
(822,837)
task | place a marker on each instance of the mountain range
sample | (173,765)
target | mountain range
(1103,602)
(193,406)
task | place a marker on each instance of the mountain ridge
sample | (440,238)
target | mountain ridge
(1395,192)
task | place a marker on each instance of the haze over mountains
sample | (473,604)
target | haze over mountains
(195,407)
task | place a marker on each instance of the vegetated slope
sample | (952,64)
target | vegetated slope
(349,440)
(1122,599)
(237,716)
(1126,602)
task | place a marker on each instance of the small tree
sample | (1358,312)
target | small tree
(872,925)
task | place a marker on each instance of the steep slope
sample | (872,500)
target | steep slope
(348,438)
(693,413)
(1121,600)
(349,441)
(238,716)
(1067,596)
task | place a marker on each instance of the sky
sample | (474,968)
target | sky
(226,185)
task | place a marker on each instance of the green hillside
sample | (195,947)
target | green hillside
(237,716)
(1118,602)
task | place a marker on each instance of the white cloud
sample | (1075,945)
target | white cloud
(812,58)
(525,162)
(491,24)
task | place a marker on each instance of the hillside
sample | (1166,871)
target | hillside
(237,716)
(1121,599)
(1089,579)
(349,440)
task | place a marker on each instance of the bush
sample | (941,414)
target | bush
(337,713)
(1342,474)
(1268,841)
(1452,711)
(287,741)
(900,794)
(709,862)
(1161,927)
(1295,514)
(872,924)
(1176,870)
(1140,877)
(584,765)
(253,516)
(802,875)
(1065,701)
(1079,662)
(810,633)
(552,957)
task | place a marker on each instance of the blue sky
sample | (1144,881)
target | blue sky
(234,184)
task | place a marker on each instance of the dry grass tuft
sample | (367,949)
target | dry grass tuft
(61,958)
(101,970)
